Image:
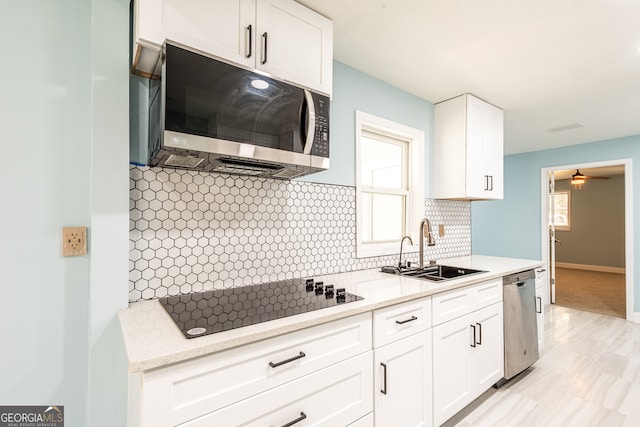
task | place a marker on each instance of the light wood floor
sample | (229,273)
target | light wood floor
(594,291)
(588,375)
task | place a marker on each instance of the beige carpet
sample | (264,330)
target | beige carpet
(593,291)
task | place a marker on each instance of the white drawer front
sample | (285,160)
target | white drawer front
(335,396)
(187,390)
(458,302)
(452,304)
(487,293)
(401,320)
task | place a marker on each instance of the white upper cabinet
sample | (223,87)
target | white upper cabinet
(280,37)
(295,44)
(468,151)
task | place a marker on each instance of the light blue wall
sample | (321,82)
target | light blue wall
(511,227)
(50,163)
(354,90)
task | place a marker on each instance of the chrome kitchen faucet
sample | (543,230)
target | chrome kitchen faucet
(430,240)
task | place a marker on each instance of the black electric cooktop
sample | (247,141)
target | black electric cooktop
(205,313)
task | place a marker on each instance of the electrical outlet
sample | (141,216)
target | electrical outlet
(441,230)
(74,241)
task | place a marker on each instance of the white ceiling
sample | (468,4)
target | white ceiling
(547,63)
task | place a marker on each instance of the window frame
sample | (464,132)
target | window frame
(562,227)
(413,175)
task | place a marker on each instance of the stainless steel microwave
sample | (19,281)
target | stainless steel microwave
(209,115)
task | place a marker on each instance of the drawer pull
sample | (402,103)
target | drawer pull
(479,342)
(384,378)
(402,322)
(296,421)
(474,335)
(275,365)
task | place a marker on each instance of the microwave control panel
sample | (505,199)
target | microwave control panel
(321,139)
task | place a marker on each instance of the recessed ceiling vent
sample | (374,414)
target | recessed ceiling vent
(566,127)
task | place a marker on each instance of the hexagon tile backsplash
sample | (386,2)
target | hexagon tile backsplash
(195,231)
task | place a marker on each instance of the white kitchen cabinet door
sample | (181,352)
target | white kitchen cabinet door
(402,387)
(280,37)
(295,44)
(468,358)
(451,368)
(541,279)
(487,357)
(468,150)
(224,28)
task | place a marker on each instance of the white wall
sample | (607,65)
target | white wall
(53,174)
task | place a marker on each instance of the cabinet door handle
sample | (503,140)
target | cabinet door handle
(264,47)
(479,342)
(402,322)
(291,359)
(384,378)
(297,420)
(538,301)
(249,42)
(486,182)
(491,181)
(473,341)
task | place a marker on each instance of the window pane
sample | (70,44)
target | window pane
(382,163)
(561,209)
(382,217)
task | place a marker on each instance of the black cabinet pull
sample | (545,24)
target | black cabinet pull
(299,356)
(491,181)
(474,336)
(265,40)
(250,30)
(539,300)
(297,420)
(384,379)
(402,322)
(486,183)
(479,342)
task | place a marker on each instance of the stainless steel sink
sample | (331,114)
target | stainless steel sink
(434,273)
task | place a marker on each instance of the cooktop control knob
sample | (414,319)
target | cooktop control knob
(341,295)
(328,291)
(309,285)
(319,288)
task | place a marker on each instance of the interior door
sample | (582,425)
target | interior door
(552,236)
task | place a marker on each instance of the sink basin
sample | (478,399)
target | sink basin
(434,273)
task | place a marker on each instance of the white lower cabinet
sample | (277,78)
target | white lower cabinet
(335,396)
(468,357)
(402,365)
(541,279)
(402,392)
(329,365)
(366,421)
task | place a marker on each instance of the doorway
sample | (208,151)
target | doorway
(585,270)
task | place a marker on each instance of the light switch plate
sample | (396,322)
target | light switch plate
(441,230)
(74,241)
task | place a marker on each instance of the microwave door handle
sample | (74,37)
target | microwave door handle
(311,122)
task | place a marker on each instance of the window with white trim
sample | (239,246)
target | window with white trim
(389,184)
(562,210)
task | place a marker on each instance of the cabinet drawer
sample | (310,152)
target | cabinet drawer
(187,390)
(401,320)
(335,396)
(458,302)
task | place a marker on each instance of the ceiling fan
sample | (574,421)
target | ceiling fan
(577,179)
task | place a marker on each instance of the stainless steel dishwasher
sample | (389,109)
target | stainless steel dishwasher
(520,325)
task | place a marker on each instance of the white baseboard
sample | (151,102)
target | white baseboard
(602,268)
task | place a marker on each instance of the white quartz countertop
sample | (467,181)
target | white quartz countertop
(153,340)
